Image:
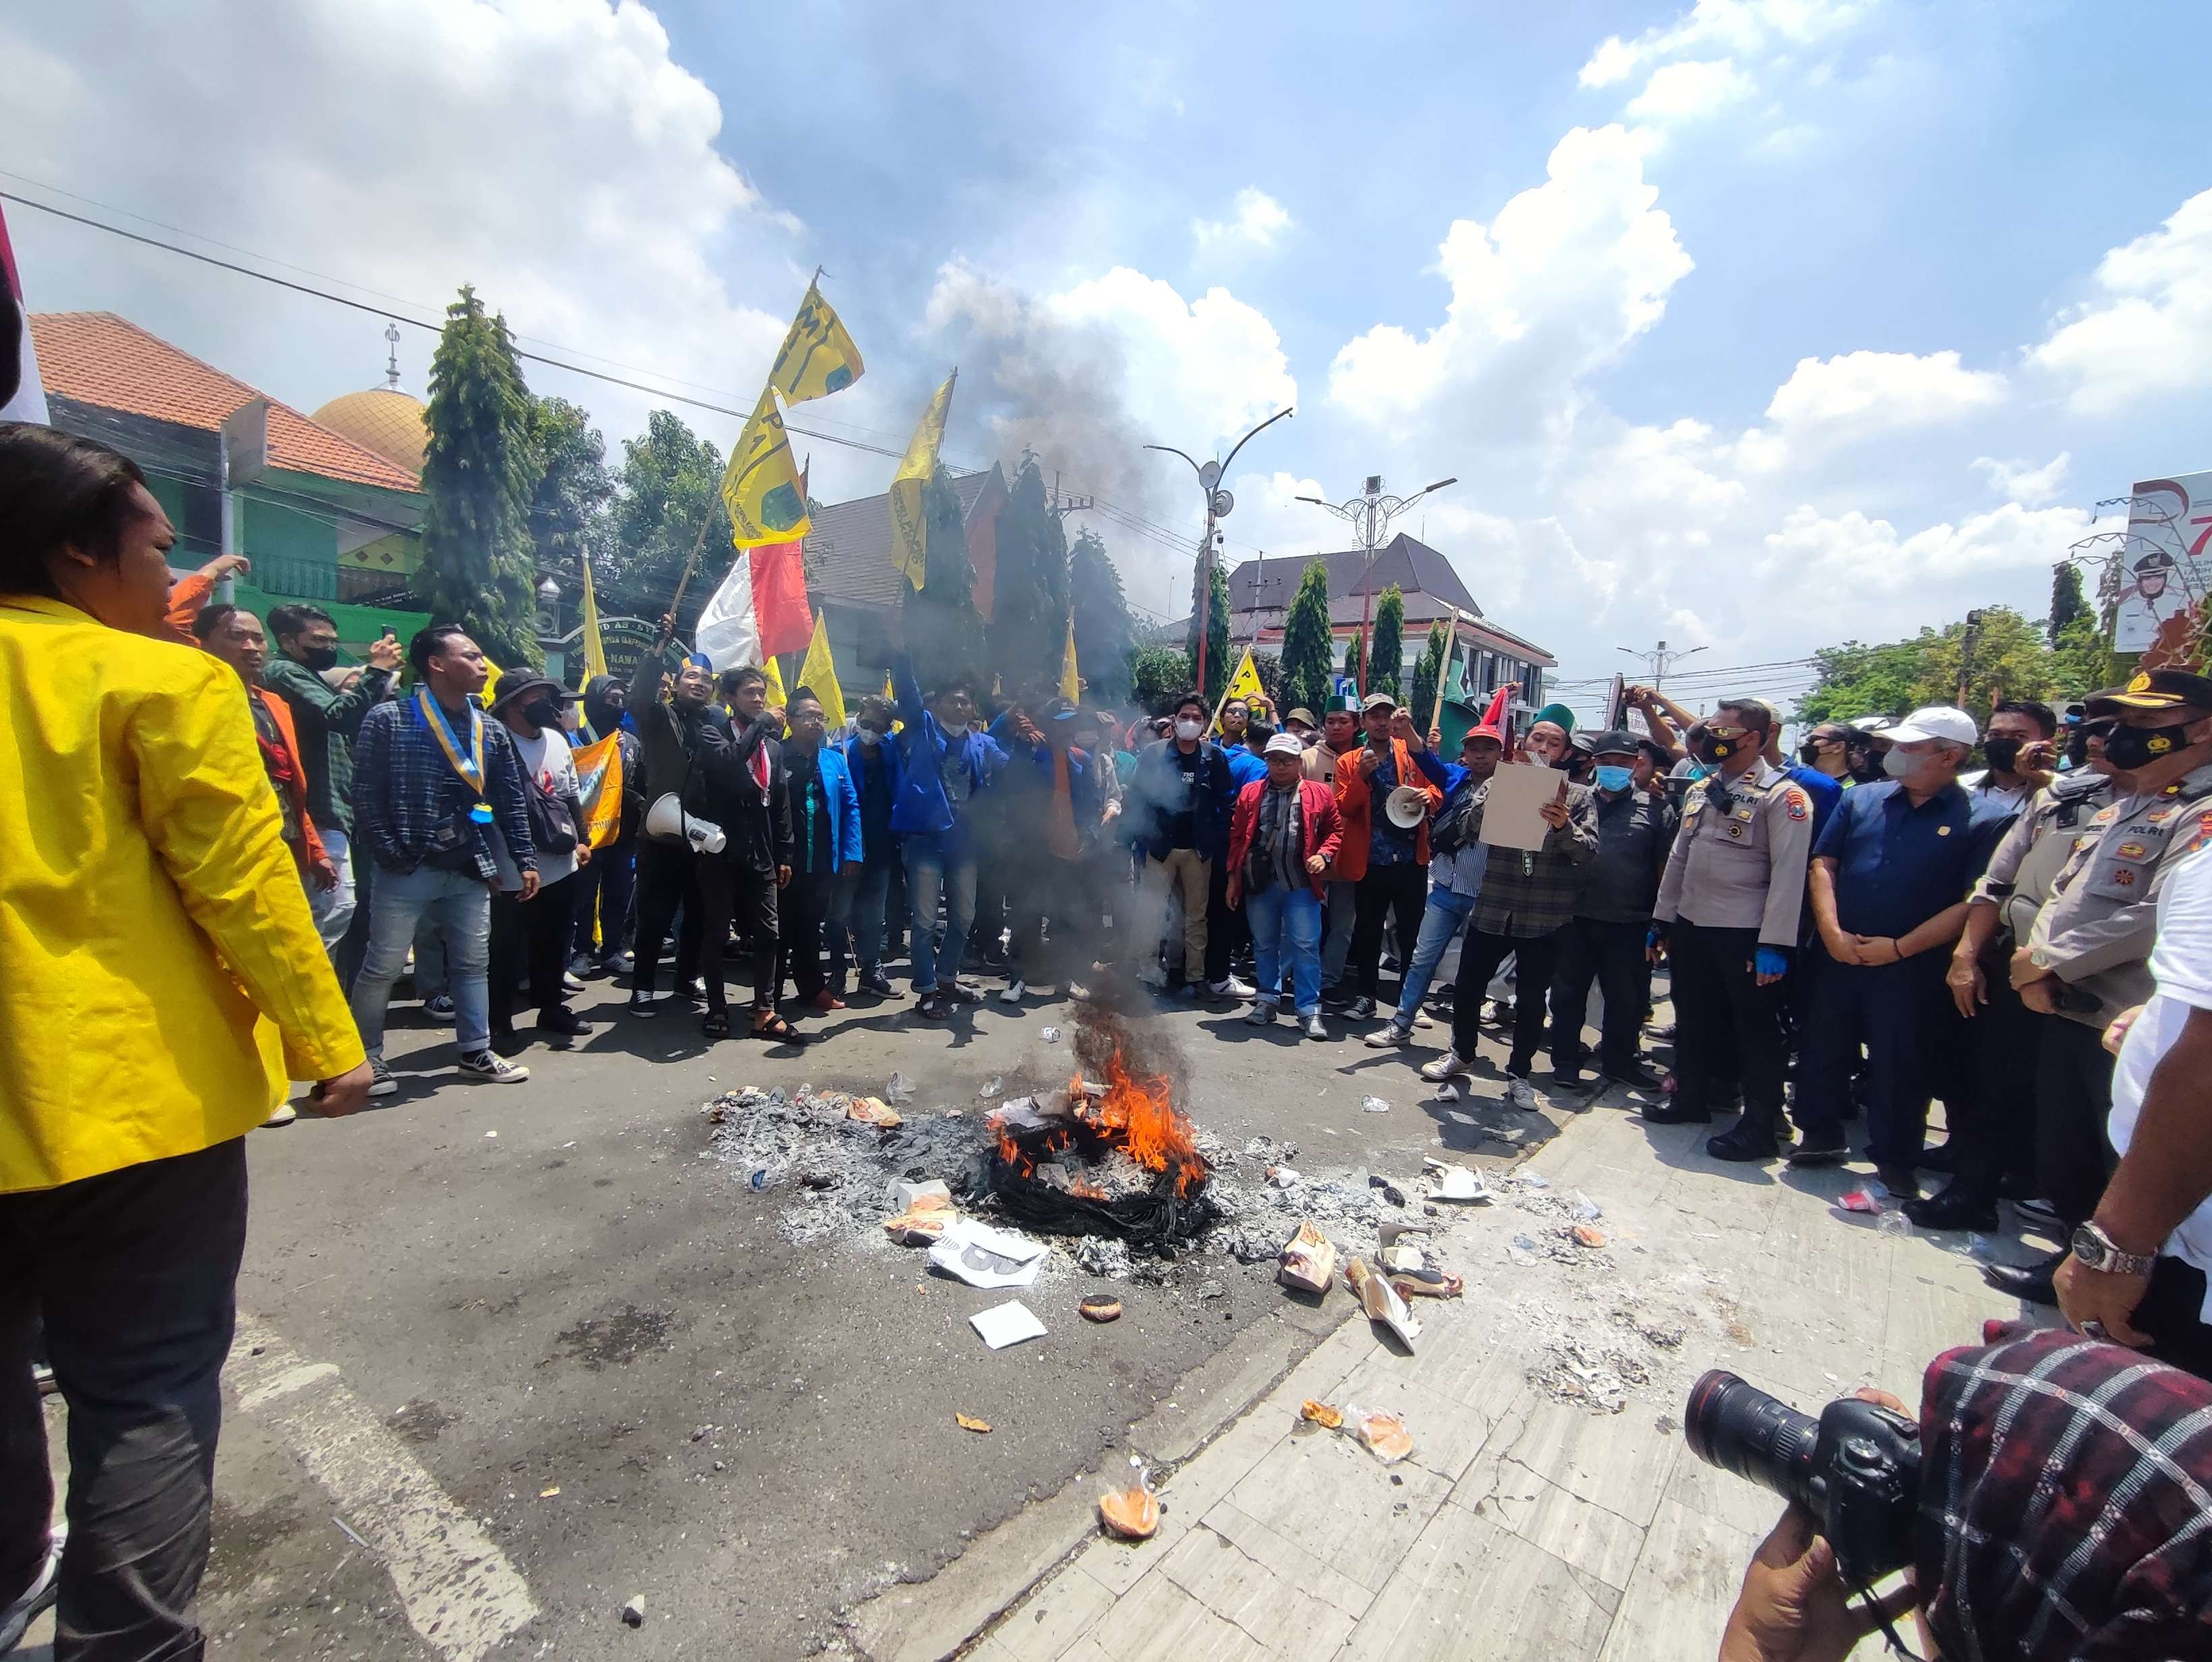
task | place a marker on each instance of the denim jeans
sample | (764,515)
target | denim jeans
(1286,927)
(460,905)
(931,875)
(133,1274)
(1343,910)
(333,908)
(1440,921)
(859,922)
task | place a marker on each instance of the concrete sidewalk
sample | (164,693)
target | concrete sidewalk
(1526,1522)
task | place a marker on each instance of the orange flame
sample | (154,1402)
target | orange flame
(1140,1114)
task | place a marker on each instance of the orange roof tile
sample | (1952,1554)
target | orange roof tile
(98,358)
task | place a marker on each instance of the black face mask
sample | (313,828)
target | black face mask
(1809,753)
(2129,748)
(2001,753)
(1712,751)
(542,712)
(318,658)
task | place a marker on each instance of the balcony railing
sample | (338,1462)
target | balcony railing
(296,578)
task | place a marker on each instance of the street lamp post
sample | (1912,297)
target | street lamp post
(1218,504)
(1369,514)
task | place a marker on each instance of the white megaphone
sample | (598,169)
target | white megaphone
(667,818)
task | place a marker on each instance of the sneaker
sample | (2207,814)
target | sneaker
(1314,1028)
(43,1377)
(1389,1038)
(1423,1020)
(1521,1094)
(439,1006)
(1261,1015)
(1450,1065)
(2039,1213)
(619,964)
(285,1114)
(1818,1153)
(1677,1113)
(494,1068)
(877,982)
(1230,987)
(1744,1141)
(641,1003)
(1361,1008)
(16,1616)
(582,964)
(1900,1182)
(1014,991)
(694,990)
(933,1007)
(1567,1079)
(563,1022)
(572,984)
(380,1082)
(1335,997)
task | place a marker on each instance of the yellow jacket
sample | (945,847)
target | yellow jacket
(150,913)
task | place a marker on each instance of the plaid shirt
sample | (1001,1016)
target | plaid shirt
(404,788)
(1525,894)
(2065,1501)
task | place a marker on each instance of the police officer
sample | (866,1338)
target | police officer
(1726,920)
(1990,1134)
(2087,957)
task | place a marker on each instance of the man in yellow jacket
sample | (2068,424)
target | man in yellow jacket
(162,982)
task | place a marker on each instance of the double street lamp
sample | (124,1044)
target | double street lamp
(1218,504)
(1369,514)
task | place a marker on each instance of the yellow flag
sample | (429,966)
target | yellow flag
(909,538)
(1071,684)
(600,788)
(890,697)
(595,650)
(761,487)
(491,683)
(777,698)
(1244,683)
(818,357)
(818,675)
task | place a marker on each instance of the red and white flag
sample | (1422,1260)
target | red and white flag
(760,610)
(22,398)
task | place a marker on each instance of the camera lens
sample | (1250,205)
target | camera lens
(1740,1428)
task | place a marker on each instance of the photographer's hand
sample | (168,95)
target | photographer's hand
(1793,1607)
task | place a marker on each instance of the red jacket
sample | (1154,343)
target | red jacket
(1323,826)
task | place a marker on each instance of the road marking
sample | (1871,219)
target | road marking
(461,1593)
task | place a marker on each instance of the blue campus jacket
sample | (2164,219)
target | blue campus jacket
(844,804)
(892,753)
(1148,805)
(922,809)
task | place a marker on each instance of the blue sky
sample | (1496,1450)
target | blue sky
(1753,324)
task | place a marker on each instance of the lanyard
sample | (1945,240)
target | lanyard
(470,766)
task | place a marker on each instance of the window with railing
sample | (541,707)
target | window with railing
(298,579)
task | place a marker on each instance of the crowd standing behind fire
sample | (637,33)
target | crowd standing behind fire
(1865,920)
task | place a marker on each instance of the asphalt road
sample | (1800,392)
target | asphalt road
(552,1287)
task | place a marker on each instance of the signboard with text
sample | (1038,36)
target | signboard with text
(2168,559)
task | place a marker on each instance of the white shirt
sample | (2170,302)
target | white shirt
(548,759)
(2181,963)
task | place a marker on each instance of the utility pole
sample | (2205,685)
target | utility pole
(1218,504)
(1657,662)
(1369,514)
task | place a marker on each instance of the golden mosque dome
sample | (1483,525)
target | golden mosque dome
(383,419)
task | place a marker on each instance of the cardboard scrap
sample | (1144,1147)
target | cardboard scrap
(969,1422)
(1381,1301)
(1007,1324)
(873,1111)
(1308,1260)
(983,1256)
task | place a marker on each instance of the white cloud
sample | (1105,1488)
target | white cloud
(1860,565)
(2024,482)
(1755,27)
(1552,290)
(1256,221)
(550,151)
(2149,333)
(1689,90)
(1857,393)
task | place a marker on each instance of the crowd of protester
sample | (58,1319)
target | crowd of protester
(227,850)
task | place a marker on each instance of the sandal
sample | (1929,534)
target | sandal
(776,1028)
(716,1025)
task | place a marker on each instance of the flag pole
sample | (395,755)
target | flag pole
(1443,666)
(691,565)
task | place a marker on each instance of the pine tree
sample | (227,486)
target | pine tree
(2067,600)
(1425,674)
(479,474)
(940,625)
(1104,632)
(1352,662)
(1388,670)
(1029,593)
(1307,650)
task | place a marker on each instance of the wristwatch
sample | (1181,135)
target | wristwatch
(2094,1249)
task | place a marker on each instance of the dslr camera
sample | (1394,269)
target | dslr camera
(1855,1469)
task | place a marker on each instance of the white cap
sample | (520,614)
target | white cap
(1942,722)
(1283,744)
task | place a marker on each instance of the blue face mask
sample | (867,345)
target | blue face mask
(1614,778)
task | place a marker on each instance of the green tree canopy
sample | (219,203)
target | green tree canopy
(2067,603)
(1308,649)
(669,482)
(479,473)
(2010,660)
(1387,671)
(1104,631)
(1425,672)
(1157,674)
(1029,593)
(1351,659)
(569,521)
(1219,659)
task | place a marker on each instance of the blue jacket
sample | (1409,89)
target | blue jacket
(922,808)
(1148,804)
(844,806)
(1244,767)
(892,754)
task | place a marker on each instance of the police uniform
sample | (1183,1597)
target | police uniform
(1734,882)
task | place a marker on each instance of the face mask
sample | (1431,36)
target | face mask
(1189,729)
(319,658)
(1713,751)
(2001,753)
(1898,765)
(1809,753)
(542,712)
(1611,778)
(2129,748)
(870,738)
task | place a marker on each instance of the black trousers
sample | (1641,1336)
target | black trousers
(1611,954)
(1222,922)
(670,876)
(2072,1099)
(1903,1014)
(1066,892)
(752,899)
(534,933)
(1536,965)
(604,889)
(1723,1017)
(1993,1116)
(1401,894)
(134,1274)
(2172,1312)
(796,920)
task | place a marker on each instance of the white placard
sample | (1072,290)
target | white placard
(1513,805)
